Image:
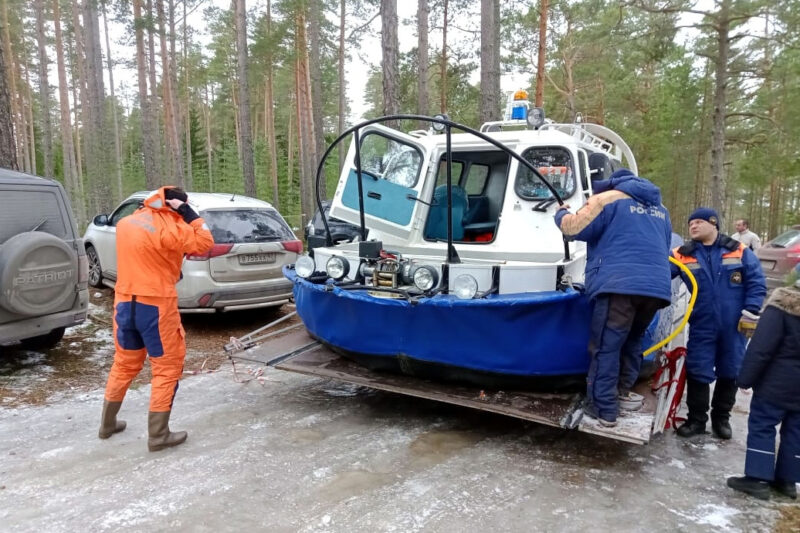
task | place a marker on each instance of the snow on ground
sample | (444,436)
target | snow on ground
(303,454)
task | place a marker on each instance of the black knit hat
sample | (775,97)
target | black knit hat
(175,193)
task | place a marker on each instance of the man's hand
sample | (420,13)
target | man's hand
(174,203)
(747,323)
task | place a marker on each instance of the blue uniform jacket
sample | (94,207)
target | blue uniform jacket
(628,234)
(729,279)
(772,362)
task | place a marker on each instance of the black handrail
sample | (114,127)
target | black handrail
(448,125)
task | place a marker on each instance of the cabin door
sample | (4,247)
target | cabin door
(393,171)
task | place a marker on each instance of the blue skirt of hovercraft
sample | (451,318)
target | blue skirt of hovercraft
(542,334)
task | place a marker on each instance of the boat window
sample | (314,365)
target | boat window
(390,159)
(476,179)
(555,164)
(457,167)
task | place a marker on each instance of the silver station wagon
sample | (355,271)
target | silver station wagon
(252,243)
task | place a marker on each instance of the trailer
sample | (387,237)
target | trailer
(292,349)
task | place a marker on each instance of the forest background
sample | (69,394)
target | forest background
(713,118)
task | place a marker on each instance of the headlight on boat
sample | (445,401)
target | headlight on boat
(465,287)
(425,277)
(337,267)
(304,266)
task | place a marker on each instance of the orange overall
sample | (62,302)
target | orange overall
(151,244)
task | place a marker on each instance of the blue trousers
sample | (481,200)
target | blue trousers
(615,345)
(761,461)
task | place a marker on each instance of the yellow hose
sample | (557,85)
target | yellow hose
(688,308)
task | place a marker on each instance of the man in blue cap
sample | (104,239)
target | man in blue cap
(627,233)
(731,289)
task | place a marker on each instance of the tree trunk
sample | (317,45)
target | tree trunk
(718,190)
(170,118)
(16,134)
(44,89)
(248,165)
(540,64)
(490,61)
(80,102)
(390,49)
(342,83)
(423,105)
(110,64)
(31,131)
(155,101)
(443,66)
(149,152)
(315,71)
(269,117)
(67,148)
(209,157)
(187,106)
(97,161)
(8,148)
(305,122)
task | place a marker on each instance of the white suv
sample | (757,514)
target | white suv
(252,243)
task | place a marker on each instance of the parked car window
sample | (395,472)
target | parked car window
(123,211)
(247,225)
(786,239)
(17,216)
(390,159)
(555,164)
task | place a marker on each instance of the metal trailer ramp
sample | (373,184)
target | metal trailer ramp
(297,351)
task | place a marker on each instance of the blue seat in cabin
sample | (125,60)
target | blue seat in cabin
(436,227)
(478,210)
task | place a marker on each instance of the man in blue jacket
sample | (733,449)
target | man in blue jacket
(628,234)
(730,285)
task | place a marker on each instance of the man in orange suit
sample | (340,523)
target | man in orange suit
(151,244)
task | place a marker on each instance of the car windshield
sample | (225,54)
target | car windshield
(247,225)
(786,239)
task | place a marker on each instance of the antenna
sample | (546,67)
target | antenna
(233,197)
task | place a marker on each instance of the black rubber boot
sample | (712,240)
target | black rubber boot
(750,485)
(721,404)
(159,435)
(787,488)
(697,395)
(108,420)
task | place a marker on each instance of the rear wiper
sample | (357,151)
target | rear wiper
(39,224)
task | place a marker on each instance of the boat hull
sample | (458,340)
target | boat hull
(537,340)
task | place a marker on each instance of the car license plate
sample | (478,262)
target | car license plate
(767,265)
(257,259)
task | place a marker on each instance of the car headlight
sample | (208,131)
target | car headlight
(337,267)
(425,277)
(465,287)
(305,266)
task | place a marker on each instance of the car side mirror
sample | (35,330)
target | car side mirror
(100,220)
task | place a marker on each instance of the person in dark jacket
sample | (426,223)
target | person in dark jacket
(772,368)
(628,234)
(731,289)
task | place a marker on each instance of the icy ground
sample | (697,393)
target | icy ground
(301,454)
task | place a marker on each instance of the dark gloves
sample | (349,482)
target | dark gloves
(187,213)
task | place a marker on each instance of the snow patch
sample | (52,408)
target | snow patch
(677,463)
(716,515)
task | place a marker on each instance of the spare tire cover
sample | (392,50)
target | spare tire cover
(38,273)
